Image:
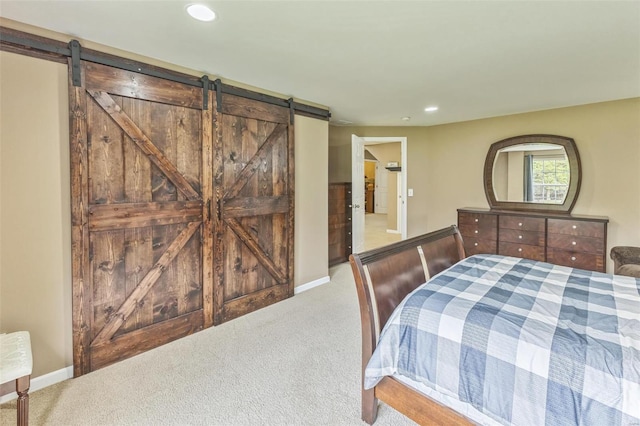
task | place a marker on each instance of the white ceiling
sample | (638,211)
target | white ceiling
(374,62)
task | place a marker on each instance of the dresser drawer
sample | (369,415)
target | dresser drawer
(522,222)
(577,244)
(483,232)
(479,246)
(521,250)
(576,227)
(589,261)
(522,237)
(478,219)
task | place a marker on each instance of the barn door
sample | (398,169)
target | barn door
(141,189)
(254,196)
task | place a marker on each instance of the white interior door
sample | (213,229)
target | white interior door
(381,191)
(357,194)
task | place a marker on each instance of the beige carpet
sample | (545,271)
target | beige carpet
(293,363)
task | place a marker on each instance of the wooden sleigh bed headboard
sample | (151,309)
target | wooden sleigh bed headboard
(383,277)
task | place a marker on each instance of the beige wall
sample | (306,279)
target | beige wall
(312,204)
(340,164)
(35,248)
(445,163)
(515,173)
(501,176)
(35,218)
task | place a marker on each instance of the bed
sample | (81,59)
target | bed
(492,339)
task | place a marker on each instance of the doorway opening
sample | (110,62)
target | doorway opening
(379,211)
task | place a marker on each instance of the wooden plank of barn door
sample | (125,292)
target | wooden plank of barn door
(170,293)
(133,85)
(265,189)
(280,225)
(138,252)
(106,162)
(249,143)
(189,162)
(80,266)
(208,123)
(232,128)
(290,178)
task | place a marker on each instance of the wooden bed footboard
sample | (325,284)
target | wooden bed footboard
(383,277)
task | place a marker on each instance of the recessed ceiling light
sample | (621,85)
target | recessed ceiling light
(201,12)
(431,109)
(406,118)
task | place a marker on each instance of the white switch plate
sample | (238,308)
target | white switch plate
(410,192)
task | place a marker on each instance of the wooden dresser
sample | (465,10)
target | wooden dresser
(339,222)
(576,241)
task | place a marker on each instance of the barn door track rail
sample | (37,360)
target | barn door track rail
(28,44)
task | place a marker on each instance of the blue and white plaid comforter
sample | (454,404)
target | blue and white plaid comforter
(524,342)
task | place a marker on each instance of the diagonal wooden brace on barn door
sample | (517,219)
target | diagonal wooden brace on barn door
(254,193)
(255,248)
(144,143)
(129,305)
(255,162)
(236,206)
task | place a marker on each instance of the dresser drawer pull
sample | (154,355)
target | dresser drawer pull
(573,243)
(573,258)
(519,249)
(575,226)
(519,237)
(475,244)
(349,218)
(475,232)
(519,223)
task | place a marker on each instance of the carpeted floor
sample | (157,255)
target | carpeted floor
(293,363)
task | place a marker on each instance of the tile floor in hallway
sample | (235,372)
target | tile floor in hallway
(375,231)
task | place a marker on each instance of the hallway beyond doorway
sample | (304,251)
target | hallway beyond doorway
(375,231)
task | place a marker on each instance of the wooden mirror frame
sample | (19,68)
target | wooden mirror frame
(574,182)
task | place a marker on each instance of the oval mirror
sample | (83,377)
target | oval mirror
(533,172)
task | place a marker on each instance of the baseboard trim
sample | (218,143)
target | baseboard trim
(393,231)
(42,382)
(310,285)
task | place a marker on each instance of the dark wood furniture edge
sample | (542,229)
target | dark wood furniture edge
(418,407)
(553,215)
(446,242)
(22,389)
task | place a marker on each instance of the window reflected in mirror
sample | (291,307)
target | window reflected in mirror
(532,173)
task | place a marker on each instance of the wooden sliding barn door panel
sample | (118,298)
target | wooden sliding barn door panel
(141,166)
(253,181)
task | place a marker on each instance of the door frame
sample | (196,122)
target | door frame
(357,148)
